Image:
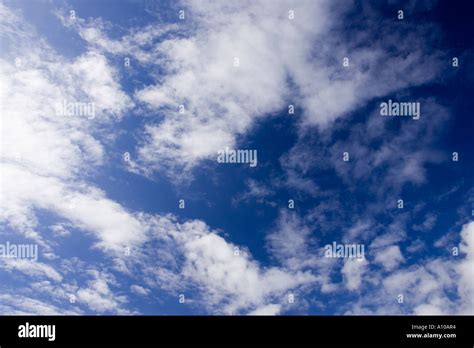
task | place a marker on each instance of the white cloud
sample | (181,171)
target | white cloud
(235,282)
(223,101)
(30,268)
(428,223)
(434,286)
(98,295)
(255,191)
(289,241)
(45,156)
(466,269)
(60,230)
(139,290)
(137,44)
(353,271)
(281,61)
(52,175)
(389,257)
(292,243)
(86,207)
(360,230)
(50,167)
(22,305)
(271,309)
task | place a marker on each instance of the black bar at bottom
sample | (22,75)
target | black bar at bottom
(136,331)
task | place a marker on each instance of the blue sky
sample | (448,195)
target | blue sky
(99,194)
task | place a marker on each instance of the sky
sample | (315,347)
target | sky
(115,116)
